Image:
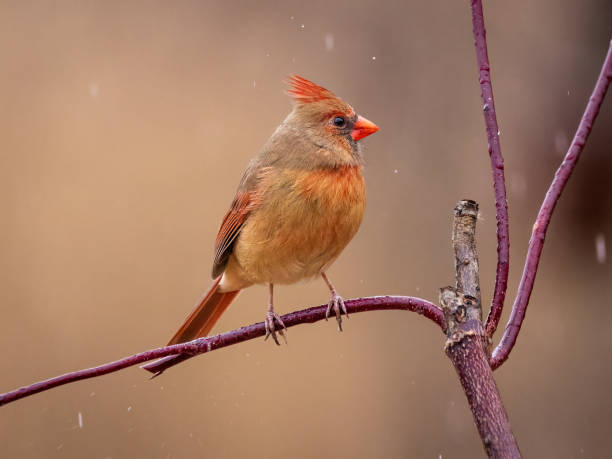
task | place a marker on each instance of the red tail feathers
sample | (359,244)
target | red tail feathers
(205,315)
(199,323)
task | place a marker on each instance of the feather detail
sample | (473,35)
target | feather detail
(230,228)
(304,91)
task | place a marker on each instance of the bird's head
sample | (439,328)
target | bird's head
(326,121)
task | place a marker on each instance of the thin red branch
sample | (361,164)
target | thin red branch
(203,345)
(541,224)
(497,165)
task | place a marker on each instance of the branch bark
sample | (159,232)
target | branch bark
(467,341)
(464,245)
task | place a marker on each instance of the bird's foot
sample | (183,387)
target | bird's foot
(271,316)
(337,304)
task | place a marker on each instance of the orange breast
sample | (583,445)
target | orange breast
(339,187)
(304,221)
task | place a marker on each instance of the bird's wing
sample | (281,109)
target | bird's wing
(242,206)
(247,199)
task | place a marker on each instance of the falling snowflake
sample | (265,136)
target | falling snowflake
(329,41)
(600,248)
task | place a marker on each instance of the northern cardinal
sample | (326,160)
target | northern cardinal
(299,203)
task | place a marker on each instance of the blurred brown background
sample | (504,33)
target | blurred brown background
(124,129)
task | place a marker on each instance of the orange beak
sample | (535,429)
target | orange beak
(363,128)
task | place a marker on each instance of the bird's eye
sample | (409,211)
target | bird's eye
(339,121)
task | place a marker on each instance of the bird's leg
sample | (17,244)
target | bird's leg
(271,316)
(336,303)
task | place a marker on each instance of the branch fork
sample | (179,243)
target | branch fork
(467,342)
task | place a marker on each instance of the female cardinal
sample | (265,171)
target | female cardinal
(299,203)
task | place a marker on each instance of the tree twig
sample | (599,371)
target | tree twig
(467,342)
(203,345)
(543,219)
(497,165)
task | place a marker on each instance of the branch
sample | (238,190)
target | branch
(467,342)
(541,224)
(159,366)
(464,245)
(204,345)
(497,164)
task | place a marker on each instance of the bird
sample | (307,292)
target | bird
(299,203)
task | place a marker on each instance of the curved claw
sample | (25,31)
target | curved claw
(271,316)
(337,304)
